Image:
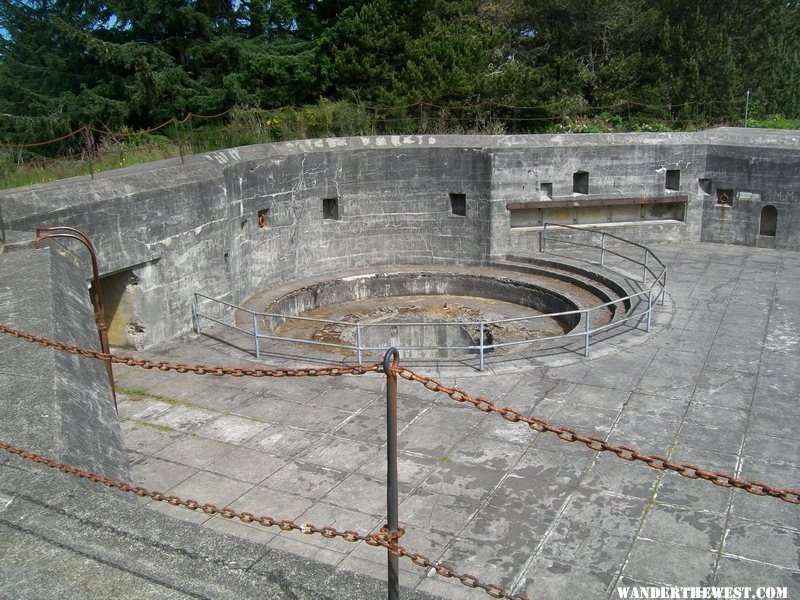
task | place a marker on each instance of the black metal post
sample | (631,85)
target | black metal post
(391,359)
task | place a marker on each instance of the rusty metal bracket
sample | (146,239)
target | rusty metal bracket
(99,316)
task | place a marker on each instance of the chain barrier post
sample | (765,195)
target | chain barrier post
(358,343)
(586,329)
(481,348)
(255,336)
(391,359)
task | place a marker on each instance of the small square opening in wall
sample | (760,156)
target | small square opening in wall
(263,218)
(330,209)
(706,185)
(724,197)
(580,182)
(458,204)
(673,180)
(547,188)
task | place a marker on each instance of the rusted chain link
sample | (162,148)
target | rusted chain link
(599,444)
(197,369)
(383,538)
(511,414)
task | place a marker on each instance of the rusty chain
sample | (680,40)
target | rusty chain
(196,369)
(383,538)
(600,445)
(511,414)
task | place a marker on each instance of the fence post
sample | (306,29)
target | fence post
(196,309)
(664,286)
(649,308)
(481,346)
(255,336)
(358,343)
(644,269)
(390,360)
(586,330)
(603,249)
(543,239)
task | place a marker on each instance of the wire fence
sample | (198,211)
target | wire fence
(89,149)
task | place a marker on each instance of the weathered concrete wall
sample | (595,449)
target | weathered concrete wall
(52,402)
(753,177)
(173,229)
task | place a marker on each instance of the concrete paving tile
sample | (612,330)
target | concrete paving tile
(611,474)
(429,441)
(718,439)
(725,388)
(357,491)
(363,428)
(734,572)
(477,449)
(376,569)
(265,408)
(463,479)
(244,464)
(496,429)
(683,527)
(281,440)
(764,543)
(210,488)
(304,479)
(232,429)
(141,409)
(340,454)
(319,419)
(779,424)
(411,469)
(587,546)
(323,514)
(179,512)
(248,531)
(147,439)
(779,474)
(774,449)
(694,494)
(604,510)
(549,579)
(352,399)
(708,460)
(183,418)
(664,407)
(261,500)
(718,417)
(669,564)
(157,474)
(432,510)
(194,451)
(451,416)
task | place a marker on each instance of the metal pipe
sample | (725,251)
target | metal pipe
(390,360)
(649,309)
(100,317)
(196,310)
(586,335)
(255,335)
(358,344)
(603,250)
(481,347)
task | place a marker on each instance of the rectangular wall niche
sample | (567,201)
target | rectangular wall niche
(547,189)
(330,209)
(580,182)
(598,212)
(673,180)
(458,204)
(263,218)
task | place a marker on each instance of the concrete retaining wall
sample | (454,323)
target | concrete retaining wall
(169,229)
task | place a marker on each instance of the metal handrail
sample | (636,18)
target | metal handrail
(482,348)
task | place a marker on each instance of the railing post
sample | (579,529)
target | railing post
(603,249)
(390,360)
(586,329)
(196,311)
(649,308)
(543,239)
(481,346)
(664,286)
(255,336)
(644,269)
(358,343)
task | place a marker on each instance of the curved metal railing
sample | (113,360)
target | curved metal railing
(647,299)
